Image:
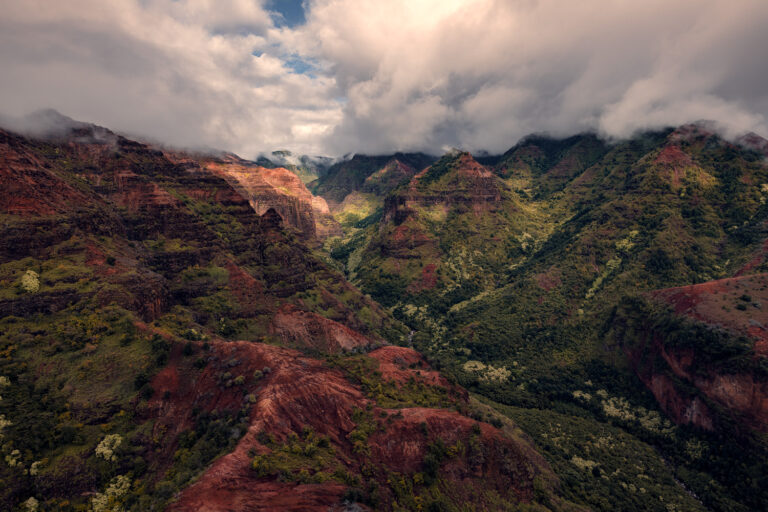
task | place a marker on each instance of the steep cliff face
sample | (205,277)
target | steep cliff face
(706,359)
(282,190)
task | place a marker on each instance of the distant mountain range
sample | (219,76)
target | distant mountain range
(572,325)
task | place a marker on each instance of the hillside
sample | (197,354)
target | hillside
(365,173)
(561,231)
(152,322)
(702,350)
(188,331)
(447,234)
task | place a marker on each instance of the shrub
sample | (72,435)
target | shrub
(30,281)
(107,447)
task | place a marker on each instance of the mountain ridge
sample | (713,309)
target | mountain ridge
(131,277)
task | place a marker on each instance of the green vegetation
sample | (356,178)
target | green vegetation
(95,299)
(305,458)
(347,176)
(520,307)
(524,285)
(363,370)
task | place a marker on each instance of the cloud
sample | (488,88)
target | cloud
(372,76)
(481,74)
(189,73)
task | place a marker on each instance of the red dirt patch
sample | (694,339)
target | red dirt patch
(757,260)
(469,167)
(399,364)
(300,391)
(247,289)
(94,256)
(305,329)
(549,280)
(718,303)
(674,161)
(426,281)
(673,155)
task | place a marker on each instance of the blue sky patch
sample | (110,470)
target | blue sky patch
(287,13)
(299,65)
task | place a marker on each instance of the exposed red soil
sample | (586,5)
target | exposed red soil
(134,193)
(739,393)
(758,259)
(282,190)
(470,168)
(674,162)
(300,391)
(549,280)
(268,496)
(223,196)
(29,188)
(94,256)
(247,289)
(714,303)
(406,237)
(399,364)
(671,154)
(309,330)
(426,281)
(742,393)
(683,409)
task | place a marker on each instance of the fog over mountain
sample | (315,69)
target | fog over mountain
(372,76)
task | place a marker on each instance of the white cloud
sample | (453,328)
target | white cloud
(394,75)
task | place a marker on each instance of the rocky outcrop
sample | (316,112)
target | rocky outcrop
(279,189)
(705,359)
(400,364)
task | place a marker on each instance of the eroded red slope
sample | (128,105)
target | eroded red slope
(737,307)
(297,392)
